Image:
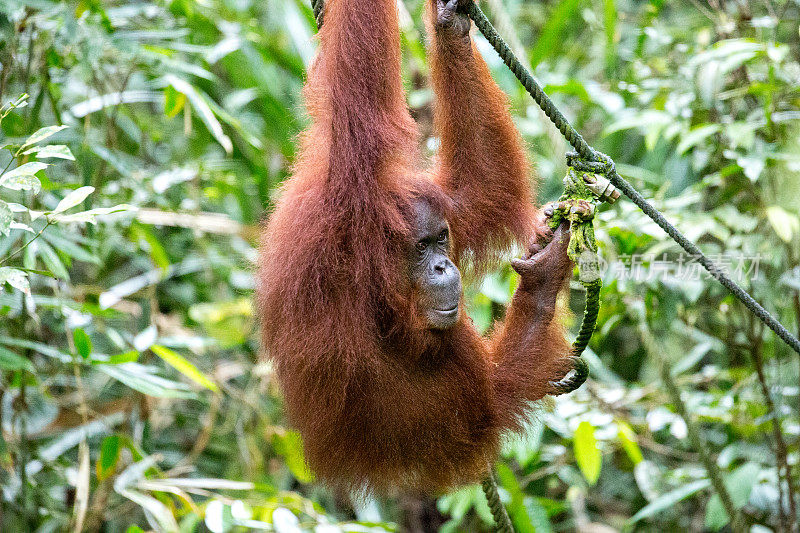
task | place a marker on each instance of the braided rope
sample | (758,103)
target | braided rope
(318,6)
(581,368)
(501,518)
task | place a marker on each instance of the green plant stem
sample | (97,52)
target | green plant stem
(21,248)
(714,474)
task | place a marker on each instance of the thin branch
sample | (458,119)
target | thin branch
(18,250)
(784,470)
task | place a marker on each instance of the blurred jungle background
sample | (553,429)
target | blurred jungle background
(143,143)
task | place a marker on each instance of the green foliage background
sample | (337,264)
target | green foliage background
(132,392)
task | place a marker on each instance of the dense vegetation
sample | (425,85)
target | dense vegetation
(142,144)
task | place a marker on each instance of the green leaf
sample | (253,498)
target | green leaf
(627,437)
(51,260)
(200,104)
(11,361)
(739,484)
(516,508)
(16,278)
(109,457)
(290,447)
(173,101)
(83,344)
(183,366)
(89,216)
(39,347)
(140,378)
(73,198)
(42,134)
(22,178)
(587,453)
(59,151)
(668,500)
(125,357)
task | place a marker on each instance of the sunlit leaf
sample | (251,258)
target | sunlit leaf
(16,278)
(173,101)
(627,437)
(289,445)
(59,151)
(183,366)
(142,379)
(587,452)
(42,134)
(22,178)
(5,218)
(89,216)
(73,198)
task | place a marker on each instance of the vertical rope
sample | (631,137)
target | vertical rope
(501,518)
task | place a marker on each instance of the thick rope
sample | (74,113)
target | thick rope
(577,205)
(501,518)
(589,154)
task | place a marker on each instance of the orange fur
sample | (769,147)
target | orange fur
(382,402)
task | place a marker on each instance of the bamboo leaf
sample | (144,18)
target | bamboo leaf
(183,366)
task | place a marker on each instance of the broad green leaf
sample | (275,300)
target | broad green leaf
(627,437)
(83,344)
(183,366)
(109,456)
(668,500)
(739,484)
(5,218)
(59,151)
(42,134)
(22,178)
(73,198)
(11,361)
(16,278)
(587,452)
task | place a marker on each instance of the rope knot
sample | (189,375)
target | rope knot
(595,174)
